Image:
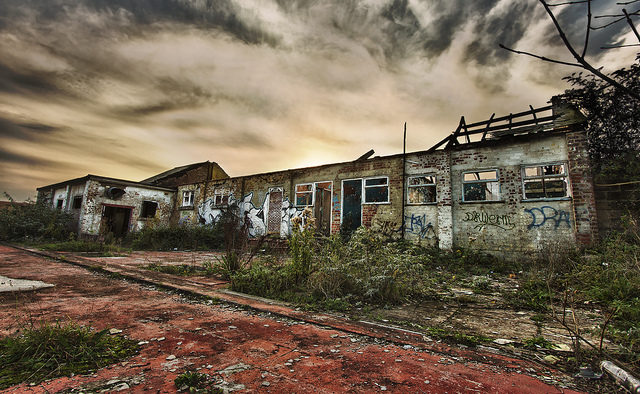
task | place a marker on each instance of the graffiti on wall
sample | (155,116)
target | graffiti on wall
(482,218)
(414,224)
(418,225)
(255,217)
(540,216)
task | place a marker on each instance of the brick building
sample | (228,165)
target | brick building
(506,184)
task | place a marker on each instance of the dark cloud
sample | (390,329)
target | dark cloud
(506,28)
(7,156)
(29,82)
(30,131)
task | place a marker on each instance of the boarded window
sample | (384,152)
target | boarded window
(421,189)
(187,198)
(149,209)
(376,190)
(304,195)
(544,181)
(77,202)
(480,186)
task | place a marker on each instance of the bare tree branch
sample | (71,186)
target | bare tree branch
(630,22)
(569,2)
(627,2)
(586,35)
(620,46)
(581,59)
(546,59)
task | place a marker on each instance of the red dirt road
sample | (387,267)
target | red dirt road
(241,349)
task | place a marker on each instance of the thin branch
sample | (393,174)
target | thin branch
(569,2)
(620,46)
(581,60)
(546,59)
(633,28)
(586,36)
(608,24)
(627,2)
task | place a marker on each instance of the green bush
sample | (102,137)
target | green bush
(34,222)
(53,350)
(178,237)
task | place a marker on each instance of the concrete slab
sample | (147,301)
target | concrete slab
(9,284)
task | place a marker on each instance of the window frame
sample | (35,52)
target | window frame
(143,211)
(223,194)
(564,176)
(312,192)
(434,184)
(191,199)
(365,187)
(484,181)
(74,204)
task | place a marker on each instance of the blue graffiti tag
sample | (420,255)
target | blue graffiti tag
(418,225)
(540,216)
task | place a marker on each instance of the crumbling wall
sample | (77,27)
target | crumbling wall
(96,198)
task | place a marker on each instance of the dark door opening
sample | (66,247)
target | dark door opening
(351,205)
(116,220)
(322,210)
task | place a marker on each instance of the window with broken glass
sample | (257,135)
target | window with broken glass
(480,186)
(376,190)
(187,198)
(221,198)
(304,195)
(149,209)
(544,181)
(421,189)
(77,202)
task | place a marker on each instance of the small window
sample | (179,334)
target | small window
(376,190)
(59,203)
(187,198)
(421,189)
(149,209)
(544,181)
(221,198)
(304,195)
(480,186)
(77,202)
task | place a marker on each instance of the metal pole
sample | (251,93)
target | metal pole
(404,166)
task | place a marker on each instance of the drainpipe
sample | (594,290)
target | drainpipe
(404,166)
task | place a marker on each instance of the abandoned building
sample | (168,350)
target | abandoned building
(508,183)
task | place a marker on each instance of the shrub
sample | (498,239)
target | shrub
(53,350)
(178,237)
(34,221)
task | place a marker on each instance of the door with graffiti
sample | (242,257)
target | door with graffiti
(351,205)
(274,215)
(322,208)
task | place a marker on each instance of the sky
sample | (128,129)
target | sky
(130,88)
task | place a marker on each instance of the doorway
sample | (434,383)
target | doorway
(274,214)
(116,220)
(351,205)
(322,207)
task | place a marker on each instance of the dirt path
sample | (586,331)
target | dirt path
(244,350)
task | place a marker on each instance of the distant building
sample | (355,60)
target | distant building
(507,184)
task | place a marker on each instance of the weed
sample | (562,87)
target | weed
(97,248)
(34,222)
(196,382)
(177,237)
(538,342)
(180,270)
(53,350)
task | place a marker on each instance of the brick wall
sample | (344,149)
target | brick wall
(584,203)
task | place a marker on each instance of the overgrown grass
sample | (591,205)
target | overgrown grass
(98,248)
(34,222)
(177,237)
(59,349)
(367,268)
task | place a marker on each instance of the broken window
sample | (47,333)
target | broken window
(480,186)
(304,195)
(77,202)
(544,181)
(187,198)
(148,209)
(421,189)
(221,198)
(59,203)
(376,190)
